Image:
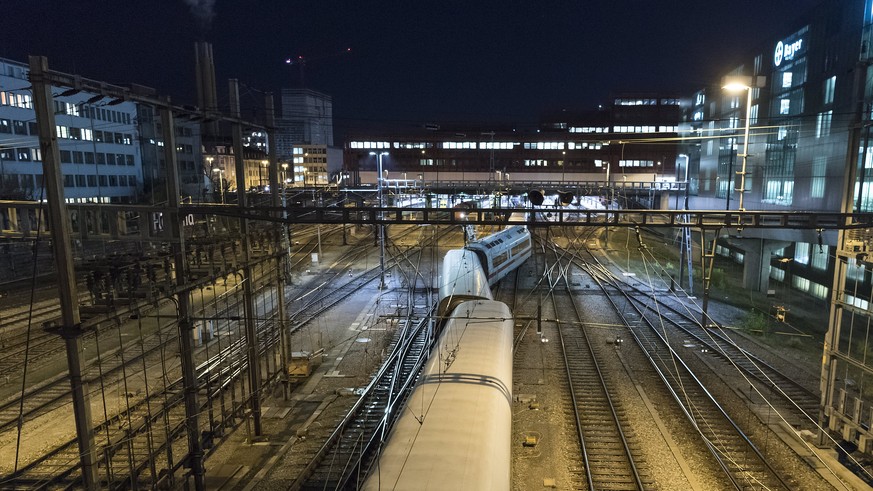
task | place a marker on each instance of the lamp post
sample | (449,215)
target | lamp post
(381,225)
(220,179)
(738,84)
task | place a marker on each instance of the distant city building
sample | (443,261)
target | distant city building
(220,165)
(110,151)
(624,141)
(306,118)
(803,124)
(256,139)
(194,180)
(304,137)
(310,165)
(100,157)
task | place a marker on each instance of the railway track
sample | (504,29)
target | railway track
(145,442)
(611,457)
(799,403)
(343,461)
(736,455)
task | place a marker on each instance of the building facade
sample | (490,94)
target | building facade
(99,151)
(194,178)
(304,138)
(623,142)
(220,165)
(111,151)
(809,97)
(306,118)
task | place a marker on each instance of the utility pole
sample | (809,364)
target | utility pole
(381,217)
(186,345)
(252,354)
(71,327)
(282,247)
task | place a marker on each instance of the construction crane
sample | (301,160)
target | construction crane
(301,62)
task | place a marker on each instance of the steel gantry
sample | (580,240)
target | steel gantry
(60,230)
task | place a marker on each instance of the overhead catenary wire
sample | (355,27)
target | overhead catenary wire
(740,372)
(33,281)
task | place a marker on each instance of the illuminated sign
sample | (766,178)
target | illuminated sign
(787,51)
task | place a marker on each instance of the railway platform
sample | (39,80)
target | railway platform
(248,462)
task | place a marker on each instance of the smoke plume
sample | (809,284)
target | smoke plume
(203,12)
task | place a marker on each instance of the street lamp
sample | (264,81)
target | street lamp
(220,179)
(381,225)
(739,84)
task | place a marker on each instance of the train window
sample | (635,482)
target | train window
(500,259)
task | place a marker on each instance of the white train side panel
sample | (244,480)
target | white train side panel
(455,432)
(462,279)
(503,251)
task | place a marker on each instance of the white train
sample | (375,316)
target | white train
(470,272)
(455,430)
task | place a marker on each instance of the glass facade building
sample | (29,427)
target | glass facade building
(809,149)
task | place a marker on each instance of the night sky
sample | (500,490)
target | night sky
(410,61)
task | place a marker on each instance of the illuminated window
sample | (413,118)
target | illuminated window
(733,122)
(819,291)
(854,269)
(735,102)
(829,86)
(819,257)
(459,145)
(784,106)
(817,182)
(801,253)
(823,124)
(362,145)
(497,145)
(636,163)
(857,302)
(777,274)
(786,79)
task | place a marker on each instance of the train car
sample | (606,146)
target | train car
(463,278)
(502,252)
(455,432)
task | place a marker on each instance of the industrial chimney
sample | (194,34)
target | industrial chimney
(207,97)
